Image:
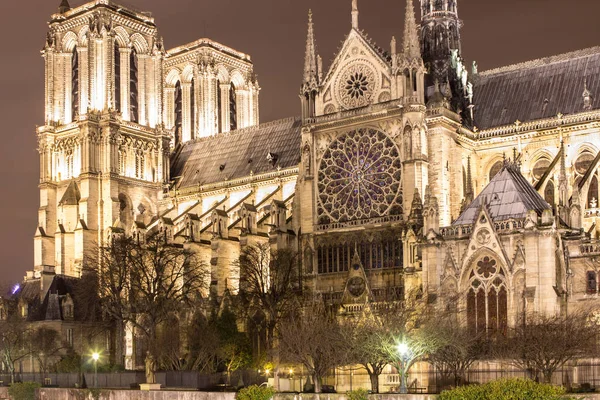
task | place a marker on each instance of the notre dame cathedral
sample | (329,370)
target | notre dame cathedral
(476,185)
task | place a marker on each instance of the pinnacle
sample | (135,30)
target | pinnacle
(64,6)
(412,47)
(310,58)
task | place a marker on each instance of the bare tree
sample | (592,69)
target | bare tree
(544,344)
(313,338)
(146,283)
(269,284)
(460,350)
(14,344)
(45,345)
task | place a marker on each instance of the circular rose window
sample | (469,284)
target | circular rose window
(360,177)
(356,86)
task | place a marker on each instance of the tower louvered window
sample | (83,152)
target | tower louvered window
(178,112)
(192,110)
(133,86)
(74,83)
(219,108)
(233,125)
(117,63)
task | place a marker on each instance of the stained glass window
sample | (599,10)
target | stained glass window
(487,300)
(360,177)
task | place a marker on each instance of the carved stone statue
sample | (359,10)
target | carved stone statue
(150,368)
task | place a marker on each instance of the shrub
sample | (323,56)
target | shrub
(358,394)
(23,391)
(255,392)
(506,389)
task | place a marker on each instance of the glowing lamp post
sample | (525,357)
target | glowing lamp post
(95,357)
(403,352)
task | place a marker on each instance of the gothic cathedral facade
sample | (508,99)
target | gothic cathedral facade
(406,170)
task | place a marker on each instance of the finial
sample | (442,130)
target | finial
(355,14)
(64,7)
(393,46)
(412,47)
(310,57)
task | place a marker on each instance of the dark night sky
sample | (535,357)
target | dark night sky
(495,33)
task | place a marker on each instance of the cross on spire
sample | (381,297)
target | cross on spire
(355,14)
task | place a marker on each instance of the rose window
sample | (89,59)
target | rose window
(357,85)
(360,178)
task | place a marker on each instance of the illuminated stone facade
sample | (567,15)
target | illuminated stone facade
(392,149)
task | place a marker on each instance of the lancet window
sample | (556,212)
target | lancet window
(117,75)
(140,162)
(487,298)
(193,110)
(219,108)
(582,164)
(74,83)
(133,86)
(233,124)
(178,113)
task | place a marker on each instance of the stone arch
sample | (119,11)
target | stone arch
(82,36)
(471,262)
(238,79)
(172,77)
(69,42)
(125,210)
(121,36)
(329,109)
(139,44)
(187,74)
(493,167)
(223,74)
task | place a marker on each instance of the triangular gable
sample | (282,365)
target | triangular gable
(357,55)
(357,289)
(484,238)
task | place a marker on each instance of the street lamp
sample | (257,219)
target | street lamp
(95,357)
(403,351)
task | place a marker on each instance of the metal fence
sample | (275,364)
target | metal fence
(126,380)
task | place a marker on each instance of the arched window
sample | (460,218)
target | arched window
(407,81)
(549,193)
(122,161)
(495,169)
(140,163)
(487,298)
(193,110)
(592,197)
(117,63)
(133,86)
(219,108)
(178,113)
(539,169)
(414,80)
(74,84)
(591,282)
(69,164)
(233,123)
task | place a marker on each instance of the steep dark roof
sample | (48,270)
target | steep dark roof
(537,89)
(235,154)
(71,196)
(508,195)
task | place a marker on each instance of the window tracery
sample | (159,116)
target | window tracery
(487,298)
(360,177)
(356,86)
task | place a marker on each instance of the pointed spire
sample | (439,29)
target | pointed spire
(355,14)
(64,6)
(412,48)
(310,57)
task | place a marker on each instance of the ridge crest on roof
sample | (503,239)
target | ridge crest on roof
(539,62)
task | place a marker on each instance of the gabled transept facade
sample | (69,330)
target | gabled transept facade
(406,170)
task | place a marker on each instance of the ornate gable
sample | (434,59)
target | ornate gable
(484,239)
(359,76)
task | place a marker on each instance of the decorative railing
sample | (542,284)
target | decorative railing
(374,221)
(590,248)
